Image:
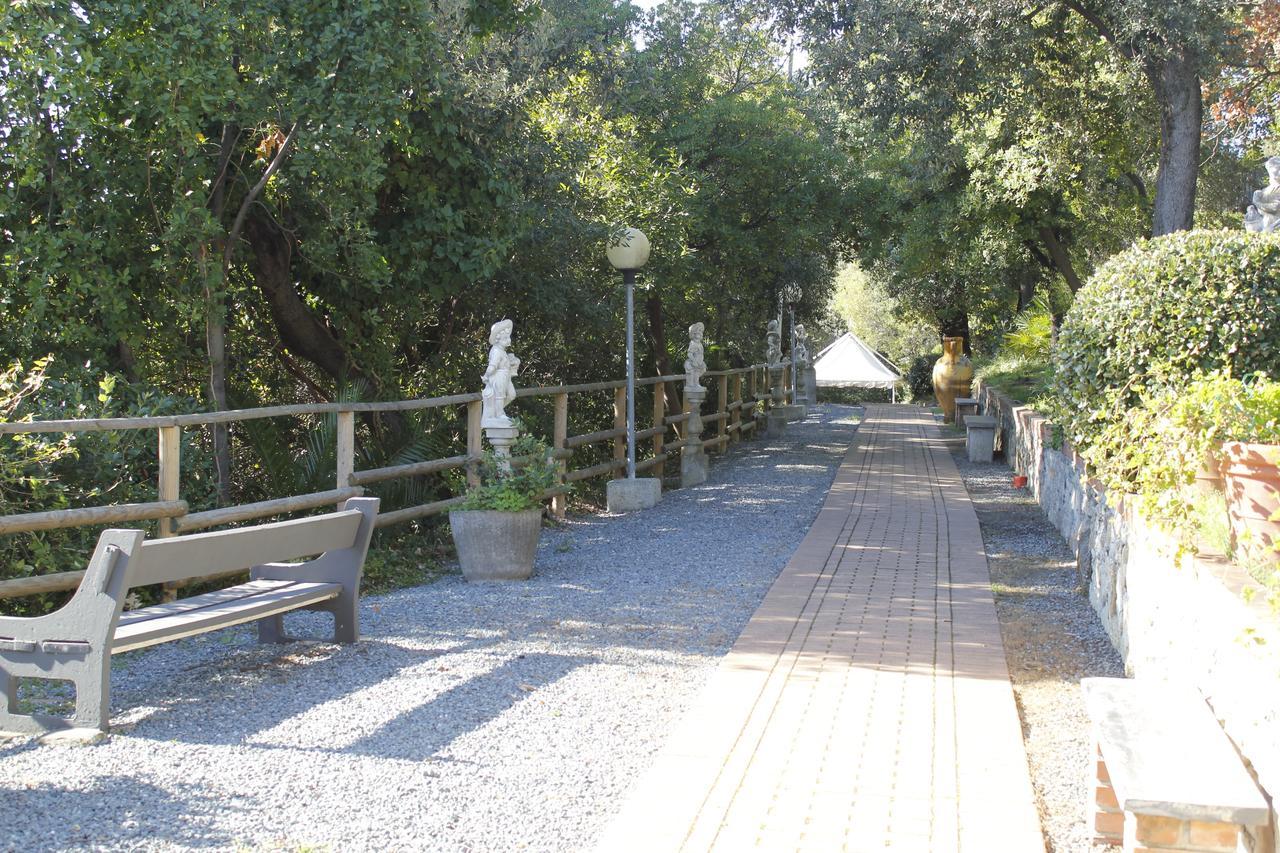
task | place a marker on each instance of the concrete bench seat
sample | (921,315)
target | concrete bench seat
(980,437)
(965,407)
(1168,778)
(76,642)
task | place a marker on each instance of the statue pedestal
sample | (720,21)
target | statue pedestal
(631,495)
(808,386)
(775,424)
(501,438)
(776,394)
(693,459)
(793,412)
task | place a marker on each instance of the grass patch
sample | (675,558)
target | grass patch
(1025,379)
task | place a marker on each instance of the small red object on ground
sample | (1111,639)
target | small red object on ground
(1019,481)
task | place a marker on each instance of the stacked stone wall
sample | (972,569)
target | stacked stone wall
(1195,619)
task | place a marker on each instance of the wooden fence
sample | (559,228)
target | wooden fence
(730,422)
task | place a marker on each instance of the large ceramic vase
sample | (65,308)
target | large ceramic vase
(1253,496)
(952,377)
(494,545)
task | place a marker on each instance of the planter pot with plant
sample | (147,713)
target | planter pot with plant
(497,527)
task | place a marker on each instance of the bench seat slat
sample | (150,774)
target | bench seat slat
(1167,755)
(197,602)
(220,612)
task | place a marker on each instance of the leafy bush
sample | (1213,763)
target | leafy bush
(533,472)
(920,377)
(1159,447)
(51,471)
(1184,303)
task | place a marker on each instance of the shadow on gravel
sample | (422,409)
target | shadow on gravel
(427,729)
(181,816)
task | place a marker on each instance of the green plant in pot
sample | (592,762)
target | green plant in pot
(496,528)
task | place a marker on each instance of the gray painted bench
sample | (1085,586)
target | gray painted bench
(76,642)
(1168,778)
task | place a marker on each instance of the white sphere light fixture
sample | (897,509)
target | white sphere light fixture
(628,249)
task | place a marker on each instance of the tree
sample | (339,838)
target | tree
(907,62)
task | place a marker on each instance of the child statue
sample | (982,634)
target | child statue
(1267,201)
(695,363)
(774,355)
(801,355)
(498,387)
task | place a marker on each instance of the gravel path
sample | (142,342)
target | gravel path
(471,717)
(1052,639)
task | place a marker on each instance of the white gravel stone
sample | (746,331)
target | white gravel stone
(471,717)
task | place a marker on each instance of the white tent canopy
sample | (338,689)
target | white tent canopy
(848,361)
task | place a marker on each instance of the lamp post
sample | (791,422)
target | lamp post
(628,251)
(792,293)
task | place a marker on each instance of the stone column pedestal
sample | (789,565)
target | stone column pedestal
(502,437)
(809,385)
(693,459)
(633,494)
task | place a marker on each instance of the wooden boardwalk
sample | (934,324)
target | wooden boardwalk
(866,705)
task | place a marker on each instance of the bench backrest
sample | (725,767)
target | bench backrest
(202,554)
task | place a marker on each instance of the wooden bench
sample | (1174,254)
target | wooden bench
(1168,778)
(76,642)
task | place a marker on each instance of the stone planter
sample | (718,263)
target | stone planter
(1253,495)
(494,545)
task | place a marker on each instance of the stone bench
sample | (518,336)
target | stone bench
(76,642)
(1168,778)
(980,437)
(965,406)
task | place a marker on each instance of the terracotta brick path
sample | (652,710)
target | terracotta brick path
(866,705)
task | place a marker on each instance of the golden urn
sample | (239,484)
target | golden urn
(952,377)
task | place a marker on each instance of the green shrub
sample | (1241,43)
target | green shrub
(920,377)
(51,471)
(533,472)
(1191,302)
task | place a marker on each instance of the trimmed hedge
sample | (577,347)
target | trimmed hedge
(1162,311)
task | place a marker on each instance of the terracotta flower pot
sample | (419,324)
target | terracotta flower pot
(1253,496)
(1209,475)
(952,377)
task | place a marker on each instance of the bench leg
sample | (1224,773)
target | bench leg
(1102,808)
(346,619)
(271,629)
(93,697)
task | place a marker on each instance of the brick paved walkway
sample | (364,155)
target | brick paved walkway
(866,705)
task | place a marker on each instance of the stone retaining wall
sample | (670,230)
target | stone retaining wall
(1200,620)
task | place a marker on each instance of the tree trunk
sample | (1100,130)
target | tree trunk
(301,331)
(1061,258)
(1177,88)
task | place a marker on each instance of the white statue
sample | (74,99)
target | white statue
(498,387)
(695,364)
(1253,220)
(1267,201)
(801,354)
(774,355)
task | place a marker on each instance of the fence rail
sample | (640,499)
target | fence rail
(173,516)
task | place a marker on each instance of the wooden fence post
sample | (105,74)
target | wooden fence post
(722,410)
(560,432)
(475,441)
(659,415)
(345,449)
(735,420)
(169,486)
(620,422)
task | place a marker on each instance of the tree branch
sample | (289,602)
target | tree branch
(238,225)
